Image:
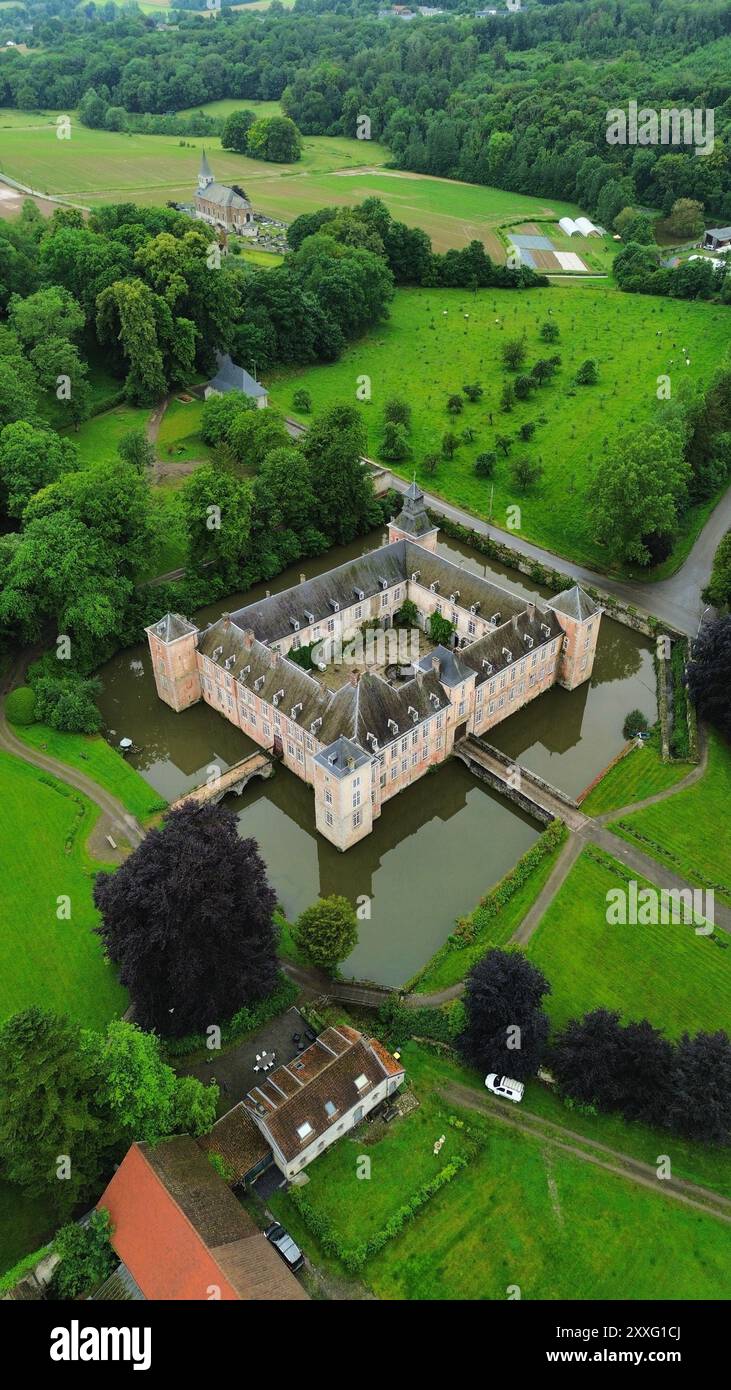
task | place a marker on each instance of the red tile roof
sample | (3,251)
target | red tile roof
(183,1235)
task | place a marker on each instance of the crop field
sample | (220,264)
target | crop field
(435,341)
(97,166)
(678,980)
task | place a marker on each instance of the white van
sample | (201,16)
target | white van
(504,1086)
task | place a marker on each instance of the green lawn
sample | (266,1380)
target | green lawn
(98,437)
(449,965)
(691,832)
(179,434)
(57,964)
(665,973)
(26,1223)
(521,1212)
(94,756)
(639,774)
(436,340)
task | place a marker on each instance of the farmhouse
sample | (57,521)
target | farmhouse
(304,1107)
(180,1233)
(717,238)
(221,206)
(381,706)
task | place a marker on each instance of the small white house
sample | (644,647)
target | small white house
(231,377)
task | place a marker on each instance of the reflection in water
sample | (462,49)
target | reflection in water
(437,847)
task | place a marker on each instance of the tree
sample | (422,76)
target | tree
(235,131)
(440,629)
(523,387)
(53,1130)
(398,412)
(137,450)
(586,1059)
(524,474)
(504,442)
(718,589)
(327,932)
(641,487)
(86,1255)
(485,464)
(543,370)
(333,448)
(506,1030)
(253,434)
(188,918)
(220,412)
(527,430)
(217,517)
(302,401)
(395,445)
(550,332)
(52,312)
(405,616)
(283,512)
(455,405)
(507,397)
(512,353)
(709,673)
(686,219)
(587,375)
(31,457)
(430,463)
(68,702)
(275,138)
(473,392)
(450,444)
(140,1090)
(700,1094)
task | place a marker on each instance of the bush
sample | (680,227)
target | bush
(634,724)
(20,706)
(587,374)
(68,703)
(485,464)
(87,1257)
(327,932)
(440,629)
(302,400)
(395,444)
(397,412)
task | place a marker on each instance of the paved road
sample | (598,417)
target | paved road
(676,600)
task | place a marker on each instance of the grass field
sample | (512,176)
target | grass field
(98,437)
(678,980)
(97,166)
(52,962)
(94,756)
(691,832)
(179,434)
(521,1212)
(639,774)
(436,340)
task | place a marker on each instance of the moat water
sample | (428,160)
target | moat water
(438,847)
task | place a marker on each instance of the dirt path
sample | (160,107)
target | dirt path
(591,1151)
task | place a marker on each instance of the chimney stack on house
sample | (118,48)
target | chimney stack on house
(436,664)
(273,658)
(303,579)
(354,677)
(531,611)
(514,621)
(248,638)
(226,621)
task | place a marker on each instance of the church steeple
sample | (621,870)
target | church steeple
(413,521)
(205,173)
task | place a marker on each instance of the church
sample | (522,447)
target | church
(227,208)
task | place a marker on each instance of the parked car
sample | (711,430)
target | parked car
(504,1086)
(282,1241)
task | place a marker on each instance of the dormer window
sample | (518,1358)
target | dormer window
(383,583)
(393,726)
(309,616)
(474,608)
(433,587)
(334,605)
(546,629)
(305,1130)
(359,594)
(331,1109)
(295,710)
(217,652)
(414,714)
(495,619)
(507,654)
(258,683)
(229,662)
(416,575)
(295,622)
(453,597)
(361,1082)
(276,698)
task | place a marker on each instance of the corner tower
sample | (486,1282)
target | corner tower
(579,617)
(412,522)
(173,641)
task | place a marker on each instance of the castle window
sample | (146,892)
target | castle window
(461,707)
(414,758)
(328,797)
(357,818)
(356,797)
(328,818)
(471,627)
(394,773)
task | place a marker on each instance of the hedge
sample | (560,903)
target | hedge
(13,1276)
(353,1257)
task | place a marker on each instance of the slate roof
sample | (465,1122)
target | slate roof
(205,171)
(512,637)
(342,756)
(222,196)
(487,597)
(262,676)
(452,669)
(720,233)
(324,1074)
(356,711)
(172,626)
(413,516)
(574,603)
(179,1230)
(231,377)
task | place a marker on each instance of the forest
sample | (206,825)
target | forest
(516,101)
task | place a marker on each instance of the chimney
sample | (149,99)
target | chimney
(354,677)
(226,621)
(514,621)
(303,579)
(436,664)
(248,638)
(273,659)
(531,611)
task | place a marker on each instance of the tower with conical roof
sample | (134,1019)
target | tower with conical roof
(205,174)
(413,522)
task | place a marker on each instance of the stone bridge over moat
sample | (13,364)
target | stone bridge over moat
(233,780)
